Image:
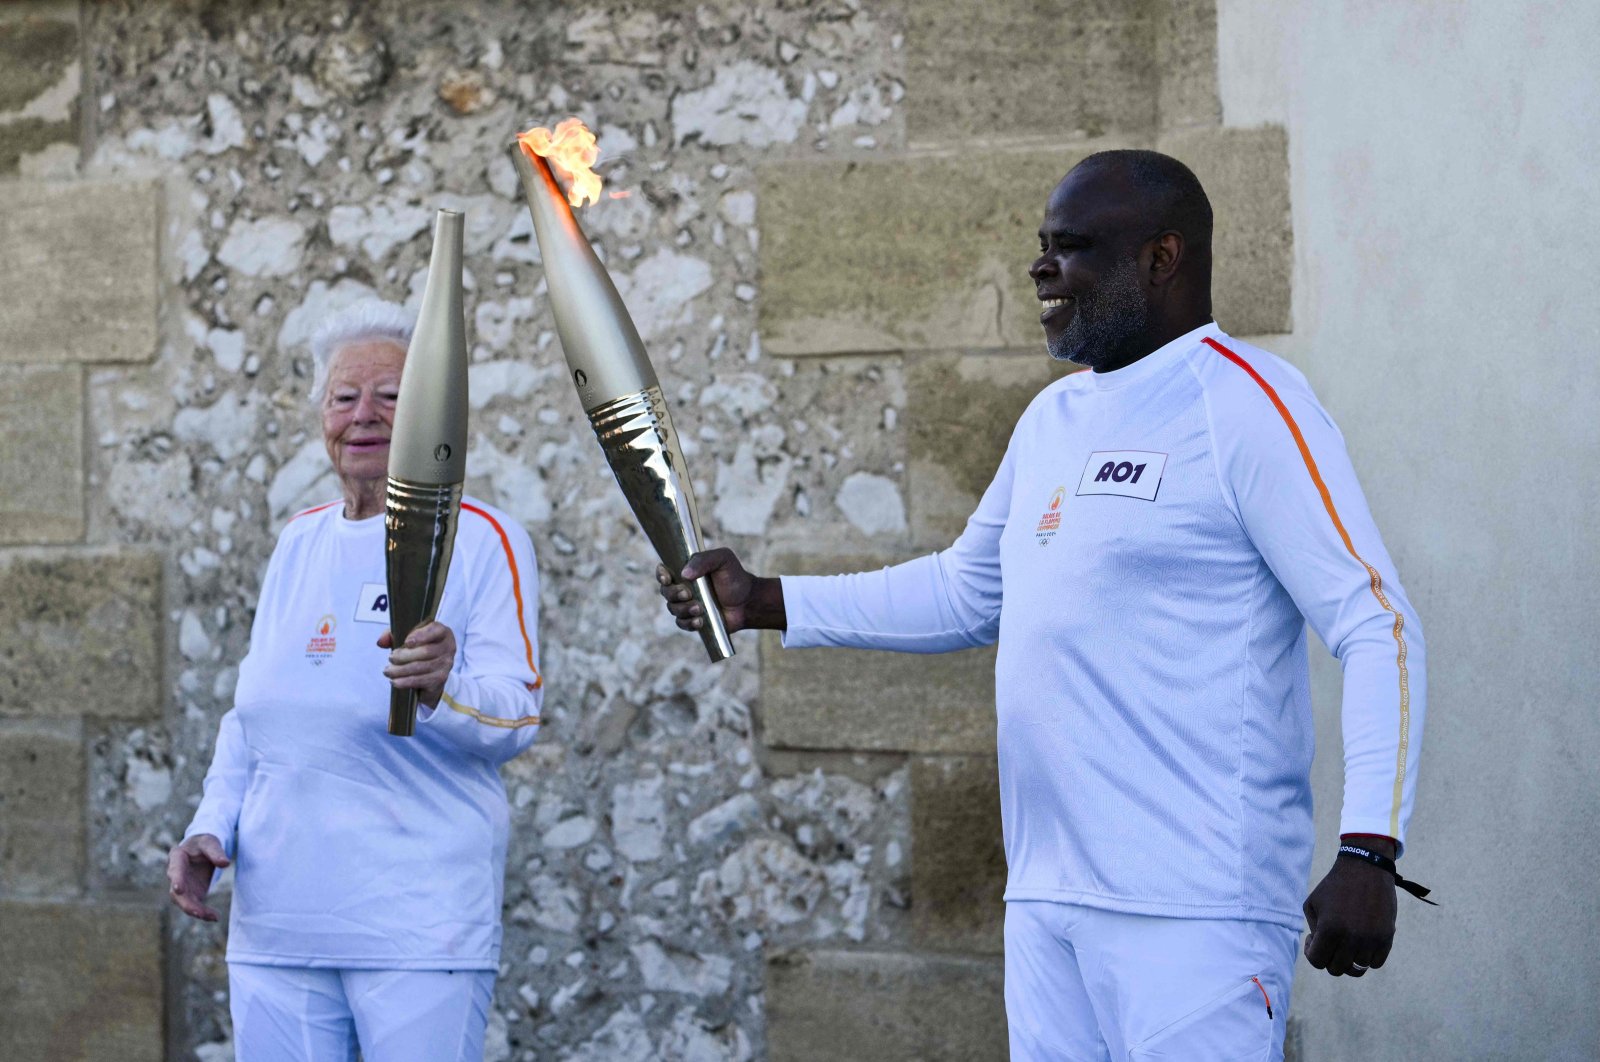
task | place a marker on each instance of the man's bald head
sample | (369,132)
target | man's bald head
(1162,193)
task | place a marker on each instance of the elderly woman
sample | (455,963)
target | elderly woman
(368,868)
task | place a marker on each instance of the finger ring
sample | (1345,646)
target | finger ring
(1358,966)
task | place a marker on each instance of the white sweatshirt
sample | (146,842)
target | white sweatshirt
(1148,555)
(354,848)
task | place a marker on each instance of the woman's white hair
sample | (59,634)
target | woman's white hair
(361,321)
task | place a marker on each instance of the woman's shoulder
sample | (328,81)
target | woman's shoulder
(485,526)
(307,523)
(304,517)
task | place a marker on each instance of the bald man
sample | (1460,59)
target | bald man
(1156,539)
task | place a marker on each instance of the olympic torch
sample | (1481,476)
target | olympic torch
(427,456)
(616,382)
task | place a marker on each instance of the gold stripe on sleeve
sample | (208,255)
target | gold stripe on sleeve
(489,720)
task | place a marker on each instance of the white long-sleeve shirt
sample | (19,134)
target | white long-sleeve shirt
(1148,556)
(354,848)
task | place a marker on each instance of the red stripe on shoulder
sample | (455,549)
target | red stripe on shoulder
(516,588)
(313,509)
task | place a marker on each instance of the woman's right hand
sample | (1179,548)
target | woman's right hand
(190,866)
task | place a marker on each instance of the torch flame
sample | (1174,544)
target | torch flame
(572,150)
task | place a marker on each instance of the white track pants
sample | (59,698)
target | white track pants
(294,1014)
(1086,985)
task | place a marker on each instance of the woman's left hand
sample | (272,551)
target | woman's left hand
(423,662)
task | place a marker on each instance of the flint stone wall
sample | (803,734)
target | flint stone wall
(706,863)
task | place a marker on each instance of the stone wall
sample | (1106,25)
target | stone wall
(82,624)
(831,211)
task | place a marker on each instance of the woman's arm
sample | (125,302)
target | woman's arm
(218,813)
(208,843)
(488,704)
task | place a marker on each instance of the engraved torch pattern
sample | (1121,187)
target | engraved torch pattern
(421,525)
(618,387)
(427,456)
(636,434)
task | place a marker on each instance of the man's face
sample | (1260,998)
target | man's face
(358,408)
(1087,272)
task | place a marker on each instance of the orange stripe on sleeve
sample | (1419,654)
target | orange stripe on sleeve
(516,589)
(1375,582)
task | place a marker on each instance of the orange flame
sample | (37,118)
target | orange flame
(572,151)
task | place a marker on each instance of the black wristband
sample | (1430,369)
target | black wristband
(1382,862)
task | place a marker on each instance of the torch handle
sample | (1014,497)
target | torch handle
(402,712)
(714,633)
(420,536)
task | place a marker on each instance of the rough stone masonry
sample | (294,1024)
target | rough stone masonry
(831,212)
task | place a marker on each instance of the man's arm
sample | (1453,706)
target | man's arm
(1297,496)
(933,604)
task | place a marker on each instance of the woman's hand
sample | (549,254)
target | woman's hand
(190,866)
(423,662)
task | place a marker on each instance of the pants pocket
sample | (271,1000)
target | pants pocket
(1233,1027)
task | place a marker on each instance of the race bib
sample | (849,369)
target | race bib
(1125,473)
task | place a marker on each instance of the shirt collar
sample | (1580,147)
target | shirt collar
(1153,362)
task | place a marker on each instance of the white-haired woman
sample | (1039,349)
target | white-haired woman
(368,868)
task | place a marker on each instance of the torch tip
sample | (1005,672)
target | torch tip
(571,148)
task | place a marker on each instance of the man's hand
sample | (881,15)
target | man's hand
(189,870)
(1351,918)
(423,662)
(748,601)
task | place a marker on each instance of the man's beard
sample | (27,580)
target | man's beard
(1104,319)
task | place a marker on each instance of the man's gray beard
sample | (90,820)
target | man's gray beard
(1104,320)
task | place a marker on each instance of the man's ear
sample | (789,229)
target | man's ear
(1165,256)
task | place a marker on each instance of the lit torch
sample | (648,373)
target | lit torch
(616,383)
(427,456)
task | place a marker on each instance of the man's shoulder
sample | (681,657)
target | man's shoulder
(1051,396)
(1234,371)
(1252,395)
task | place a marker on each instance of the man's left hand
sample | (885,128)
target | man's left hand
(1351,919)
(423,662)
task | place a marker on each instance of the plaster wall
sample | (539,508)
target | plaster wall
(1442,171)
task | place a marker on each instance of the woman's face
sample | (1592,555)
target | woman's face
(358,408)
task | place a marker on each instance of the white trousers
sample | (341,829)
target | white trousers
(1087,985)
(295,1014)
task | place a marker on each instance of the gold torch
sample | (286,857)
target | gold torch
(427,456)
(616,382)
